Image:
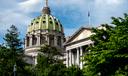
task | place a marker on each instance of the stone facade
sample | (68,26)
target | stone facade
(45,29)
(76,46)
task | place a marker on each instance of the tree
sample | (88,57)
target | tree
(74,71)
(109,54)
(49,62)
(12,54)
(3,60)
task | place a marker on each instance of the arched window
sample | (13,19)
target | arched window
(42,39)
(34,40)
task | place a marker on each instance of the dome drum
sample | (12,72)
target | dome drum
(38,39)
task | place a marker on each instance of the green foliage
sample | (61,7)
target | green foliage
(12,53)
(109,54)
(74,71)
(50,63)
(12,40)
(52,53)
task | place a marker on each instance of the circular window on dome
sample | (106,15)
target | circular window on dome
(37,22)
(50,18)
(31,23)
(56,23)
(44,22)
(50,22)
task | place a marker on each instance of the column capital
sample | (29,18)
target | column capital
(80,47)
(38,34)
(30,36)
(77,48)
(70,50)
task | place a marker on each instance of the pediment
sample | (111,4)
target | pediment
(82,33)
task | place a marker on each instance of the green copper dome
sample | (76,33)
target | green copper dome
(45,22)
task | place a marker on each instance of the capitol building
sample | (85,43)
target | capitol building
(47,29)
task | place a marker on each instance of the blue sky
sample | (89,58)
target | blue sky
(71,13)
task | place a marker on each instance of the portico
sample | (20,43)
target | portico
(76,48)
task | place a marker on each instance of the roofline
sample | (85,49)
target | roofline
(81,28)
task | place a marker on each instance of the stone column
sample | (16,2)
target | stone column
(48,39)
(55,40)
(78,57)
(30,43)
(38,40)
(67,58)
(81,57)
(70,58)
(73,59)
(35,60)
(25,42)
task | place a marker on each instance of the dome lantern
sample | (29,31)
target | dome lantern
(46,9)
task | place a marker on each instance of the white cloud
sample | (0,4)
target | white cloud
(29,6)
(12,18)
(18,13)
(108,2)
(114,1)
(11,15)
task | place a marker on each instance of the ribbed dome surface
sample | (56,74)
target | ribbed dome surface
(45,22)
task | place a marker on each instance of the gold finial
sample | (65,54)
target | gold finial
(46,3)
